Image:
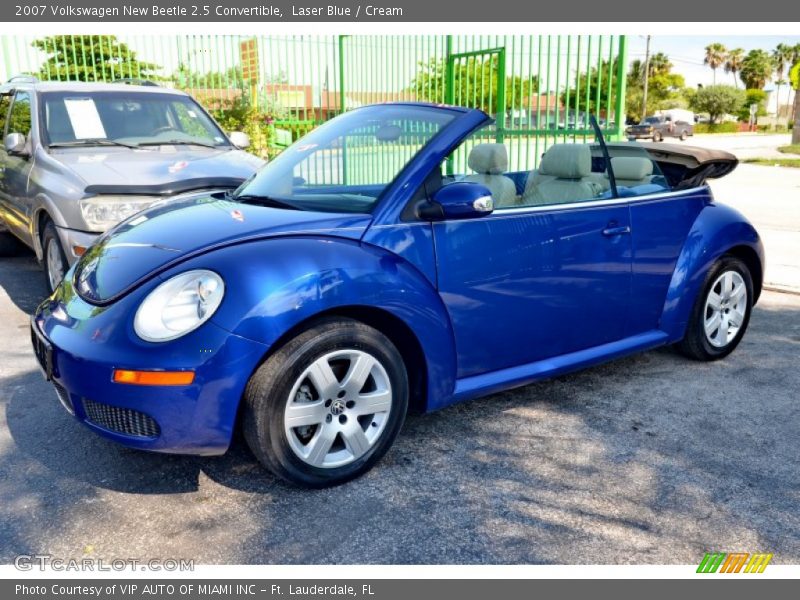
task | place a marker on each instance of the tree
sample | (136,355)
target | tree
(90,58)
(794,79)
(733,63)
(781,58)
(715,57)
(756,69)
(594,84)
(665,89)
(757,97)
(718,100)
(474,82)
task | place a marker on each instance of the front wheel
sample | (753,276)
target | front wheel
(684,135)
(327,405)
(721,312)
(657,137)
(55,262)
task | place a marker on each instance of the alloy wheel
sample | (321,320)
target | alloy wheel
(55,264)
(725,309)
(338,408)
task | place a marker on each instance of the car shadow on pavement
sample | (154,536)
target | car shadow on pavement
(649,459)
(24,281)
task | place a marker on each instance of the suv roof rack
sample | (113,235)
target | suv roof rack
(23,78)
(135,81)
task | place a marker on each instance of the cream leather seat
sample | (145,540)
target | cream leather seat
(490,161)
(630,171)
(565,175)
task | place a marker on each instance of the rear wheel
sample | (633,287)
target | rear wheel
(325,407)
(55,262)
(721,312)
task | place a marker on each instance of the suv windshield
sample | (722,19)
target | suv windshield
(652,120)
(344,165)
(126,118)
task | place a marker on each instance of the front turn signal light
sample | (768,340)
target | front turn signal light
(153,377)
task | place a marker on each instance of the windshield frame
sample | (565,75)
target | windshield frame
(46,142)
(454,112)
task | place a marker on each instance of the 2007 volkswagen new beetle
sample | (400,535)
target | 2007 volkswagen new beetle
(392,260)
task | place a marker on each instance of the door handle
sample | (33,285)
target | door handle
(616,230)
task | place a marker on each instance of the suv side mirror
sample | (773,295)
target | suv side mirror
(459,200)
(15,143)
(240,139)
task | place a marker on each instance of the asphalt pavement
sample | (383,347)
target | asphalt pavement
(649,459)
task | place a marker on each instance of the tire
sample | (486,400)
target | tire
(657,137)
(53,258)
(684,135)
(337,440)
(709,344)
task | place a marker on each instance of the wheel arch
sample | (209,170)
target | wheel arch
(718,230)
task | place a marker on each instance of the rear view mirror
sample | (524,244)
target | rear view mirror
(388,133)
(459,200)
(240,139)
(15,143)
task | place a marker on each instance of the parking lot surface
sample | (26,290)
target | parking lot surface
(650,459)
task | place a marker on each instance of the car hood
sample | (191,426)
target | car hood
(158,170)
(165,235)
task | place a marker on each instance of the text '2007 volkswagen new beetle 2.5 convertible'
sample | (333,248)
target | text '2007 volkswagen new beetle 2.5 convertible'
(391,260)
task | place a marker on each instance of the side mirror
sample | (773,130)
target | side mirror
(459,200)
(15,143)
(240,139)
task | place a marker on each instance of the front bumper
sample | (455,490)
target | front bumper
(72,239)
(639,135)
(79,345)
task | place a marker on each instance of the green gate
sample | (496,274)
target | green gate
(540,89)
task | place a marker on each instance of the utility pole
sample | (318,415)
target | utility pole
(646,77)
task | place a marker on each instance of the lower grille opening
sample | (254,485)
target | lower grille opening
(121,420)
(64,398)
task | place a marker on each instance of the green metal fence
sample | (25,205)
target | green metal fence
(539,89)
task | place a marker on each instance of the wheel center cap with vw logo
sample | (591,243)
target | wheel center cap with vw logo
(337,407)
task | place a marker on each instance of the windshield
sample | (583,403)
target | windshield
(126,118)
(344,165)
(652,120)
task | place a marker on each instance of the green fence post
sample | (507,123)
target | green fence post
(500,119)
(619,109)
(449,73)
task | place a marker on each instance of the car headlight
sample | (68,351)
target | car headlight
(103,212)
(179,305)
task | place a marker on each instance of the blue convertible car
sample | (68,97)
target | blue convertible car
(391,261)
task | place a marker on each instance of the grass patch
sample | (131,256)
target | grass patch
(775,162)
(791,149)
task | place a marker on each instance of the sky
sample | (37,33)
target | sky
(686,52)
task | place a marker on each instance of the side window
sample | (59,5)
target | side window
(19,120)
(635,172)
(5,101)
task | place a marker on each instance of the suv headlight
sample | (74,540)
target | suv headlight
(103,212)
(179,305)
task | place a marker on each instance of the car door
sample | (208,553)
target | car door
(5,104)
(17,167)
(522,285)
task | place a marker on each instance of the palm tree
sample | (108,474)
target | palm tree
(756,69)
(781,58)
(715,57)
(733,63)
(659,64)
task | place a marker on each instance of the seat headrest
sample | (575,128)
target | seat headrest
(488,159)
(631,167)
(567,161)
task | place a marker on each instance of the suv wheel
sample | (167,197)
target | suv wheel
(684,135)
(657,137)
(55,262)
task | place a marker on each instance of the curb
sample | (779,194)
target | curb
(781,289)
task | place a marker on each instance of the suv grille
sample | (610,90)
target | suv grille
(121,420)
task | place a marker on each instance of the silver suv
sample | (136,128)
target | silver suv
(78,158)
